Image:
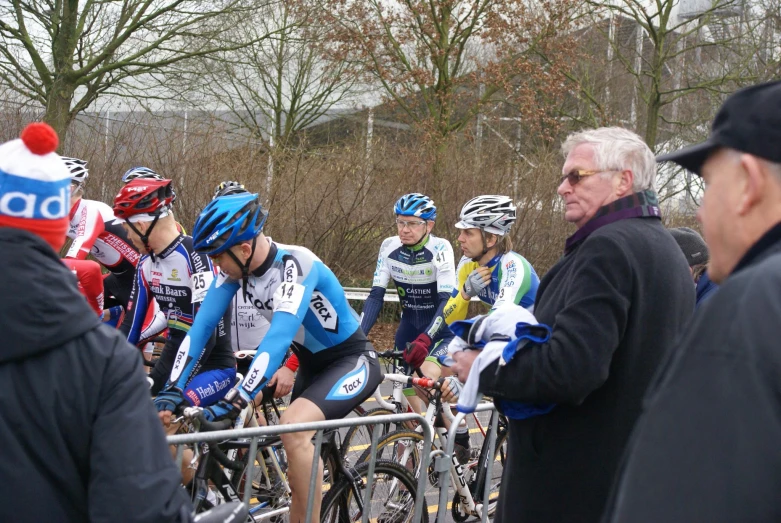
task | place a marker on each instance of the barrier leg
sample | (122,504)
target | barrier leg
(425,460)
(367,497)
(253,451)
(310,498)
(444,464)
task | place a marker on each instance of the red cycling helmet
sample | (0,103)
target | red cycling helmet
(143,196)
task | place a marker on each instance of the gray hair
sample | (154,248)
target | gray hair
(616,149)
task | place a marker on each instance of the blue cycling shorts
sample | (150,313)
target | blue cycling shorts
(209,387)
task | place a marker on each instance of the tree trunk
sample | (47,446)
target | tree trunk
(655,103)
(652,123)
(58,109)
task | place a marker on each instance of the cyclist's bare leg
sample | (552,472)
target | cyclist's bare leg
(187,454)
(300,453)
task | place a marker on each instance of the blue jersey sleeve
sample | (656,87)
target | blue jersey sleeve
(371,308)
(211,311)
(291,303)
(137,305)
(438,322)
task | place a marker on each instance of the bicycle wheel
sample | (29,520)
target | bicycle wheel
(487,470)
(359,438)
(402,446)
(392,498)
(405,447)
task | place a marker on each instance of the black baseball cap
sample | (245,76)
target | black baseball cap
(749,122)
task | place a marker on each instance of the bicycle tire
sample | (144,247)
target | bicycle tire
(338,503)
(388,445)
(358,437)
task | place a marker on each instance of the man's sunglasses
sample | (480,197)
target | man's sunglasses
(575,175)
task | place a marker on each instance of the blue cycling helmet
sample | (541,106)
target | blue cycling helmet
(416,204)
(227,221)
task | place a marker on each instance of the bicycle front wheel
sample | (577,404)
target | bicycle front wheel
(391,500)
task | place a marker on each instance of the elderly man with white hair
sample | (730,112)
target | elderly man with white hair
(615,302)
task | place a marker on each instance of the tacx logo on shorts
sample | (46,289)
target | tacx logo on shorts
(351,384)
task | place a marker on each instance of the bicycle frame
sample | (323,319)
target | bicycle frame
(457,470)
(401,405)
(466,497)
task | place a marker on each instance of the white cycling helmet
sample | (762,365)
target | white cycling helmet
(77,168)
(489,212)
(140,172)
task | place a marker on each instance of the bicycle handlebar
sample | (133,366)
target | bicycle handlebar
(391,355)
(425,383)
(204,425)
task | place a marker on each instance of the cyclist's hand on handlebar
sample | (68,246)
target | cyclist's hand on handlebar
(220,411)
(451,388)
(416,352)
(166,403)
(228,408)
(283,379)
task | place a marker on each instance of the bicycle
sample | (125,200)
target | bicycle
(358,438)
(469,479)
(392,496)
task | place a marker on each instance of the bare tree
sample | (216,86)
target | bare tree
(283,83)
(64,54)
(664,65)
(442,61)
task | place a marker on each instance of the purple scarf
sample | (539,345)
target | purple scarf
(643,204)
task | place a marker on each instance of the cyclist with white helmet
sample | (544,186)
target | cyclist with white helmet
(94,231)
(306,306)
(422,268)
(489,268)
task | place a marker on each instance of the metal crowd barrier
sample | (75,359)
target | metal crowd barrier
(254,433)
(442,465)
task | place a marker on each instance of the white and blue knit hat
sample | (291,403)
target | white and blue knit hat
(35,185)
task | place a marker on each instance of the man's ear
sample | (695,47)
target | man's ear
(430,225)
(246,249)
(753,184)
(491,240)
(626,182)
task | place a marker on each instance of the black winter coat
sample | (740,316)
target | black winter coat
(79,435)
(707,447)
(615,303)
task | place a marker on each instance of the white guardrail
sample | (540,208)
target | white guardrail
(360,294)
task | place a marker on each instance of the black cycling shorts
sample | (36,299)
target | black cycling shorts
(117,290)
(341,385)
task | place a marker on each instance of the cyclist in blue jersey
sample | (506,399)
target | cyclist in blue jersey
(423,270)
(306,307)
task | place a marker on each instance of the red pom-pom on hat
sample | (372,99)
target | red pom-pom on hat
(40,138)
